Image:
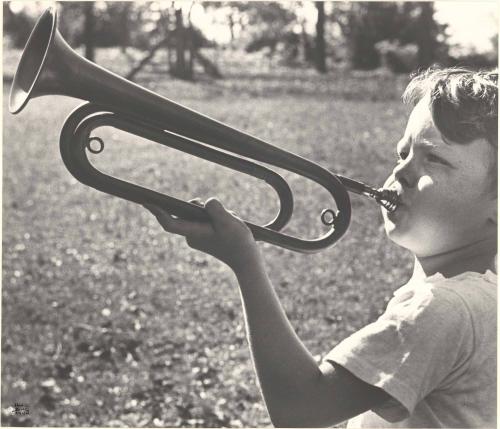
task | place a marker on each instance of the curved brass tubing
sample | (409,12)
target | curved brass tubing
(75,141)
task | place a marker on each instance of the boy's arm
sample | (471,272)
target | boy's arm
(296,390)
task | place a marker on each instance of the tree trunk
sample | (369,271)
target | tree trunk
(88,30)
(191,51)
(307,49)
(191,48)
(125,23)
(426,40)
(320,55)
(180,45)
(230,21)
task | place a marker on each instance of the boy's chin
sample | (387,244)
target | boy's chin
(395,237)
(392,230)
(418,244)
(402,238)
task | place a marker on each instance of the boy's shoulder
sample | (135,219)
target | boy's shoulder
(462,303)
(469,287)
(478,291)
(464,306)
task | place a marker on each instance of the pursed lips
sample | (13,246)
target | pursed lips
(398,188)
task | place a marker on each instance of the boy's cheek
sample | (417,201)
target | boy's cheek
(424,183)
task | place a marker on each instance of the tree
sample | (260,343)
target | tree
(187,42)
(364,24)
(170,28)
(320,56)
(88,30)
(268,25)
(180,69)
(16,25)
(279,28)
(427,31)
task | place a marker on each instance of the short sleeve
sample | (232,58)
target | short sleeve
(419,344)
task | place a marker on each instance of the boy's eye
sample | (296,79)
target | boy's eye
(434,158)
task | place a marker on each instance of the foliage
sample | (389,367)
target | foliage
(108,321)
(18,26)
(364,24)
(476,60)
(397,58)
(269,24)
(320,51)
(353,30)
(111,27)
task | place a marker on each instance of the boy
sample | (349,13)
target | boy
(430,359)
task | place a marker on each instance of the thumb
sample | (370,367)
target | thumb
(218,214)
(213,205)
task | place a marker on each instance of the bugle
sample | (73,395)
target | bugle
(49,66)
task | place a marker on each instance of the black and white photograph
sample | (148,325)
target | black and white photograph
(233,214)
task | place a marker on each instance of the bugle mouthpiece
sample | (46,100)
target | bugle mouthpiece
(387,199)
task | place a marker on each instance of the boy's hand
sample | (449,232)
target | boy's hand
(226,237)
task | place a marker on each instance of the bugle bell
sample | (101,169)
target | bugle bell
(49,66)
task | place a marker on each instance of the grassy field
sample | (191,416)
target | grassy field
(109,321)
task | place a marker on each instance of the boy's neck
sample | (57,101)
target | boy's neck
(477,257)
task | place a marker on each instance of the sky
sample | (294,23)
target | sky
(471,23)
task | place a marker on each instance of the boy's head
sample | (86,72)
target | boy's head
(463,104)
(446,171)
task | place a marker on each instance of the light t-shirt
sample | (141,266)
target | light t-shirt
(433,351)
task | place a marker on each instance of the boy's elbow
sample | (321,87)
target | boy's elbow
(285,423)
(288,420)
(279,421)
(294,414)
(312,404)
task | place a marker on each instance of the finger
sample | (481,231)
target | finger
(179,226)
(214,206)
(185,227)
(197,201)
(165,219)
(152,208)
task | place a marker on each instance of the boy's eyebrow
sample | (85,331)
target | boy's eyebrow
(426,143)
(421,142)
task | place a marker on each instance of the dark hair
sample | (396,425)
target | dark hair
(463,103)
